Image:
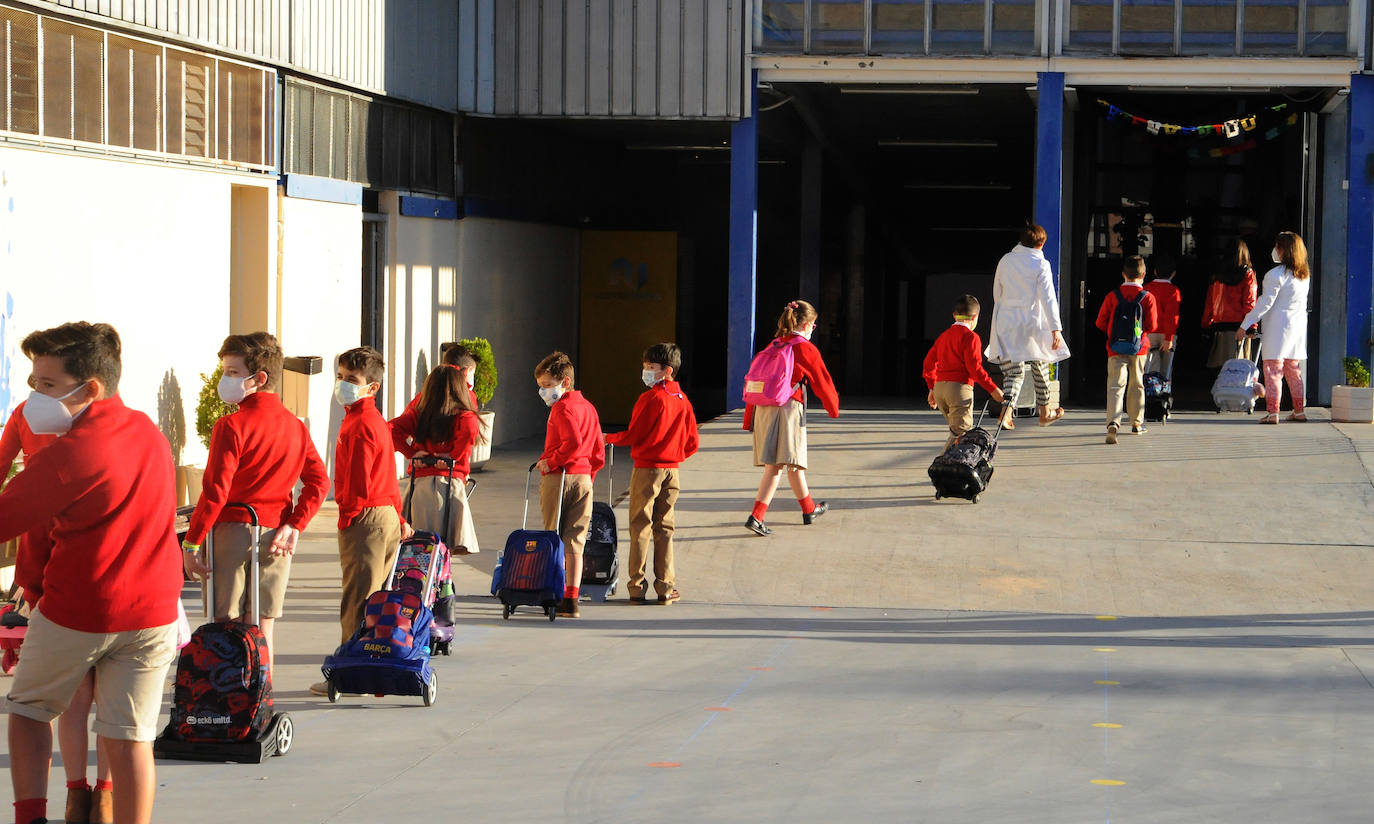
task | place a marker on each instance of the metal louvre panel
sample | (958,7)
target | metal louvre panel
(133,109)
(19,39)
(73,75)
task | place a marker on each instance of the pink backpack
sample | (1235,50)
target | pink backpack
(769,379)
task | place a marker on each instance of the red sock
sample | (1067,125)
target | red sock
(104,785)
(83,784)
(570,592)
(30,810)
(760,509)
(808,506)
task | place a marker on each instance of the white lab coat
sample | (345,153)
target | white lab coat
(1025,310)
(1283,308)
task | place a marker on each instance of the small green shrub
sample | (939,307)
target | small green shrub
(484,381)
(209,407)
(1355,372)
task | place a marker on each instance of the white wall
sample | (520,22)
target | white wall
(518,288)
(139,246)
(321,290)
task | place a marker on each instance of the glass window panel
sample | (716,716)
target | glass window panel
(956,26)
(240,114)
(357,118)
(1271,27)
(19,41)
(780,26)
(1090,26)
(190,95)
(1013,27)
(339,138)
(1328,24)
(899,26)
(837,26)
(1209,27)
(1147,26)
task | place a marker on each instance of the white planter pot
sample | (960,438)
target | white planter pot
(1352,404)
(481,452)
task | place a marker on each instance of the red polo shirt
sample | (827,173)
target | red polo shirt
(572,440)
(663,428)
(256,456)
(99,504)
(957,356)
(364,463)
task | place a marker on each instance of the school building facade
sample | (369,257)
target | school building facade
(596,175)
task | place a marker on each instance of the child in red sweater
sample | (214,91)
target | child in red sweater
(662,434)
(1126,370)
(953,365)
(257,455)
(1167,299)
(100,565)
(573,454)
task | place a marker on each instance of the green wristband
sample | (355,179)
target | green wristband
(186,546)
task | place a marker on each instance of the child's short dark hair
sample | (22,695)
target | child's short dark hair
(1133,267)
(1164,265)
(557,366)
(456,354)
(87,350)
(664,354)
(1033,236)
(966,305)
(260,352)
(365,360)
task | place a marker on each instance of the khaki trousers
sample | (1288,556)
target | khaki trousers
(577,509)
(653,496)
(1126,376)
(367,550)
(955,402)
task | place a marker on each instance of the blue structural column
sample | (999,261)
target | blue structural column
(744,209)
(1049,164)
(1359,249)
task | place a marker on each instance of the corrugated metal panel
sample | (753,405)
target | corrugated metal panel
(602,58)
(404,48)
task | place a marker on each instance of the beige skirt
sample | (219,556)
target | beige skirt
(780,435)
(427,512)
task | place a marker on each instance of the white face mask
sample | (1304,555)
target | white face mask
(1278,258)
(233,390)
(47,415)
(650,377)
(347,393)
(551,394)
(471,378)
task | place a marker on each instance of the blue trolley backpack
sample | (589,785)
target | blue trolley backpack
(529,572)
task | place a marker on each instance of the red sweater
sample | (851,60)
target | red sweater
(572,441)
(16,437)
(663,428)
(957,356)
(457,447)
(1229,303)
(1167,298)
(809,367)
(99,505)
(256,456)
(364,463)
(1148,320)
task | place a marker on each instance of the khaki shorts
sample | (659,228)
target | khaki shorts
(232,599)
(780,435)
(577,508)
(129,672)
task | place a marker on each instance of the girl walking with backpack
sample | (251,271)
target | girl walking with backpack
(1230,296)
(775,410)
(1283,308)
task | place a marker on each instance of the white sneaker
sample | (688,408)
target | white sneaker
(320,688)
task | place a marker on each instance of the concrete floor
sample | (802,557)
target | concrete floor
(1187,613)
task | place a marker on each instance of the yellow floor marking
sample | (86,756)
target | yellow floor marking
(1109,782)
(1108,683)
(1104,649)
(1105,617)
(1107,726)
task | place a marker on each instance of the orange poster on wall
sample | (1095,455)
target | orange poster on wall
(629,302)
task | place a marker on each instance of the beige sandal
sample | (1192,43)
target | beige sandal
(1274,419)
(1297,417)
(1053,418)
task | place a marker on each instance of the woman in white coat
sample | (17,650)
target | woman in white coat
(1026,330)
(1283,308)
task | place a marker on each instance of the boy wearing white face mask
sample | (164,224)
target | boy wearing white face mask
(257,455)
(572,447)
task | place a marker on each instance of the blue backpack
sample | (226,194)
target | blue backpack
(1128,320)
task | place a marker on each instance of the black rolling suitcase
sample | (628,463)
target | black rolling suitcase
(600,567)
(222,699)
(1159,393)
(965,469)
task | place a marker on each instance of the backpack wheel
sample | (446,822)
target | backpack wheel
(432,689)
(974,499)
(506,611)
(286,732)
(551,612)
(333,693)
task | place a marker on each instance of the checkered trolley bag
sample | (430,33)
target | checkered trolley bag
(390,652)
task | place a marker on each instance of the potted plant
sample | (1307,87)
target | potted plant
(209,408)
(1353,401)
(484,384)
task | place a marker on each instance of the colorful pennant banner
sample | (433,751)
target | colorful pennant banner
(1229,129)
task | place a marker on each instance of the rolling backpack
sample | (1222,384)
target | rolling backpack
(769,379)
(1126,330)
(223,690)
(396,622)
